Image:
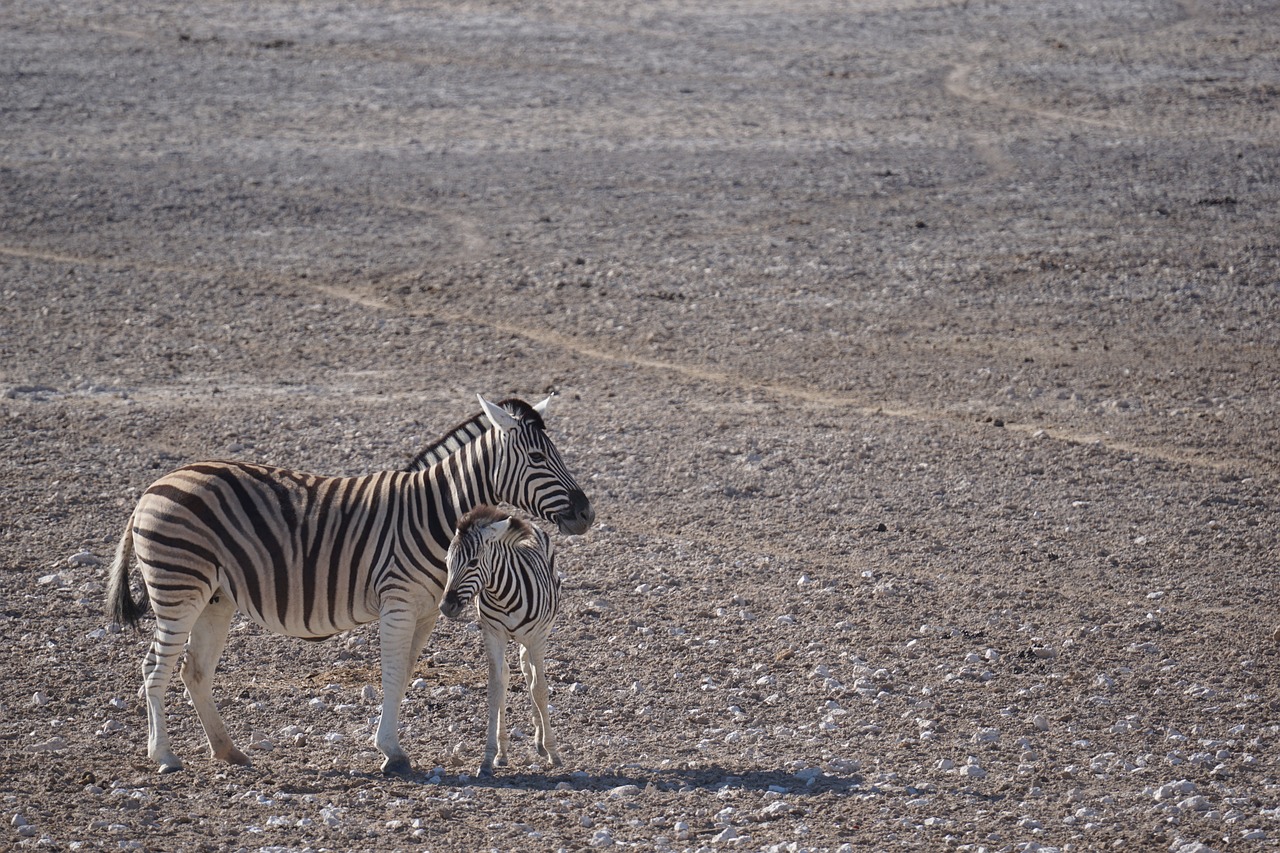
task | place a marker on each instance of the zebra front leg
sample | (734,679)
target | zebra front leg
(421,633)
(157,670)
(396,630)
(495,650)
(533,665)
(208,639)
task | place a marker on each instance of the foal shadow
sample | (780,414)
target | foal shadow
(710,778)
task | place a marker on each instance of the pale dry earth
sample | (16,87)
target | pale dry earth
(921,359)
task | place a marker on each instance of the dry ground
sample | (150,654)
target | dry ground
(922,360)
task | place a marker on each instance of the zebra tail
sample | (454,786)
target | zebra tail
(121,606)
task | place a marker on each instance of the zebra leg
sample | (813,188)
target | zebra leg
(426,624)
(397,629)
(533,664)
(157,671)
(495,650)
(208,639)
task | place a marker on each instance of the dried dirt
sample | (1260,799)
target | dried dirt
(922,360)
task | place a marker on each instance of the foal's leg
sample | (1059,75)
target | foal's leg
(495,649)
(208,639)
(533,664)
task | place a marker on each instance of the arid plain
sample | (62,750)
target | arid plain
(922,360)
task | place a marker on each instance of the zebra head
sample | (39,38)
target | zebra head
(469,562)
(528,471)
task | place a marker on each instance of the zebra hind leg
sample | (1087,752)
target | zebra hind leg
(208,639)
(533,665)
(157,671)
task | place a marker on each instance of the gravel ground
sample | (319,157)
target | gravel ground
(922,360)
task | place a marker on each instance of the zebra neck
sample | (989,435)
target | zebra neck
(462,481)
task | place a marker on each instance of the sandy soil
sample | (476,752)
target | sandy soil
(922,360)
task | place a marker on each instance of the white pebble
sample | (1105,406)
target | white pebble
(318,704)
(1173,789)
(776,809)
(369,695)
(727,834)
(39,699)
(973,771)
(84,558)
(624,791)
(45,580)
(56,744)
(1040,722)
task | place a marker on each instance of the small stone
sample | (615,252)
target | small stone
(55,744)
(369,695)
(727,834)
(39,700)
(85,559)
(624,791)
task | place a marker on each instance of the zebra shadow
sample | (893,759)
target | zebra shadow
(620,781)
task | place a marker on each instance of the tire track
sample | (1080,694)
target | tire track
(602,355)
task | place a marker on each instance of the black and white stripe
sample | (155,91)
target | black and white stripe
(310,556)
(507,567)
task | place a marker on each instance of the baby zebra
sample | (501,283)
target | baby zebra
(507,566)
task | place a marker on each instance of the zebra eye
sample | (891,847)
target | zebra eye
(537,457)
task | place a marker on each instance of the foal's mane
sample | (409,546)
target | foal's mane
(468,431)
(485,515)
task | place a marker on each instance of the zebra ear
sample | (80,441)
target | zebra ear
(499,527)
(541,408)
(498,416)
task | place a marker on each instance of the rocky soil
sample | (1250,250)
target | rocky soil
(922,360)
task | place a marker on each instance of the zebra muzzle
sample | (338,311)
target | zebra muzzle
(452,606)
(579,517)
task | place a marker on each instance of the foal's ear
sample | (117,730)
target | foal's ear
(541,408)
(498,416)
(498,528)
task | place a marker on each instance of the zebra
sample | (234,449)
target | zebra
(311,556)
(507,566)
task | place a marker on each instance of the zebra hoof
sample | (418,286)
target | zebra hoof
(172,767)
(397,766)
(485,772)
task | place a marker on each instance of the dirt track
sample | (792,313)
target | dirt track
(922,360)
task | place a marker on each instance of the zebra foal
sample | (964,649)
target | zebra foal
(507,567)
(310,556)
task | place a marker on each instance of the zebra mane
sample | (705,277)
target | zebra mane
(485,515)
(468,431)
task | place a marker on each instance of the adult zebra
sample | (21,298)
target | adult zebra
(310,556)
